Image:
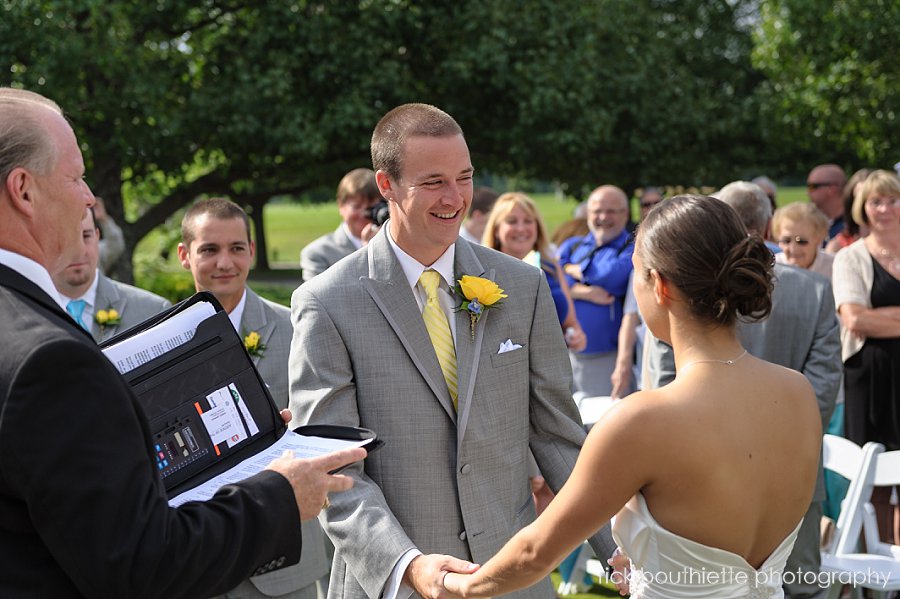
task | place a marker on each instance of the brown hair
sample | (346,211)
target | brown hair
(401,123)
(359,181)
(880,181)
(700,245)
(24,140)
(220,208)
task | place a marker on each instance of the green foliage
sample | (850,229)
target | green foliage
(831,76)
(176,100)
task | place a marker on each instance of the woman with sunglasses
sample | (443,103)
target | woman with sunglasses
(867,297)
(800,229)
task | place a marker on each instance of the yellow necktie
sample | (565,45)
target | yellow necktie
(439,330)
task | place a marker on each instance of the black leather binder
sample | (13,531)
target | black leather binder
(205,387)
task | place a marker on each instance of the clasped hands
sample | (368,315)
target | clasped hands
(439,576)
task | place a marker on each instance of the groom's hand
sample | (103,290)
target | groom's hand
(426,574)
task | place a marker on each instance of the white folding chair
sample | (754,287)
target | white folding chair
(878,567)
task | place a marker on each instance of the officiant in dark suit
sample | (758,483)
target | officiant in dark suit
(83,512)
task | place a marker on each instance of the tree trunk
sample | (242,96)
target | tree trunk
(255,212)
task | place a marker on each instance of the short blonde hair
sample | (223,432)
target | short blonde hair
(502,207)
(24,140)
(880,181)
(801,212)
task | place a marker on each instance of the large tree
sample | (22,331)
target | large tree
(832,81)
(174,100)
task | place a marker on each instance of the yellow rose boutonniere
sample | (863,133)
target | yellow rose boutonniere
(252,344)
(478,294)
(108,318)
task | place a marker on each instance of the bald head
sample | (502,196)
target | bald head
(607,213)
(825,186)
(43,196)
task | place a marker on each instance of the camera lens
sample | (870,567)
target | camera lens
(379,213)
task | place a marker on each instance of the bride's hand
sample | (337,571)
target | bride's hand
(456,585)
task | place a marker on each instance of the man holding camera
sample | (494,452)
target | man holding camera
(357,196)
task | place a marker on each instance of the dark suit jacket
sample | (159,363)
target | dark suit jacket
(83,512)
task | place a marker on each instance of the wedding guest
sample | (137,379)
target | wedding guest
(800,229)
(100,305)
(824,186)
(768,186)
(515,227)
(217,248)
(483,199)
(626,375)
(84,511)
(356,194)
(867,295)
(462,391)
(597,267)
(851,231)
(712,492)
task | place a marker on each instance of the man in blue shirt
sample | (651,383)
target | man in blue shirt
(597,267)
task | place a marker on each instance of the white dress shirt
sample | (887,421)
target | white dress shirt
(34,272)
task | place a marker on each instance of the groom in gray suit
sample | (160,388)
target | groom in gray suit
(216,247)
(801,333)
(83,285)
(457,413)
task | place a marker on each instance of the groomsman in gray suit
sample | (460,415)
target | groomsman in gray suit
(100,305)
(458,395)
(801,333)
(216,247)
(356,194)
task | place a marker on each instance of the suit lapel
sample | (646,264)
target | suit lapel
(107,297)
(467,349)
(386,284)
(254,319)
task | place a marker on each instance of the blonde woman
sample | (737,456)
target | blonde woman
(867,297)
(800,230)
(515,228)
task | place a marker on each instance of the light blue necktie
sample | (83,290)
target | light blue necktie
(75,308)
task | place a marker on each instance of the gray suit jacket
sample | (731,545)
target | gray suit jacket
(273,323)
(133,304)
(445,482)
(801,333)
(316,257)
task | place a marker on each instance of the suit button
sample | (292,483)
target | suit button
(462,536)
(466,468)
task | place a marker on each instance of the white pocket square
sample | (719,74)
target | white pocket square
(508,345)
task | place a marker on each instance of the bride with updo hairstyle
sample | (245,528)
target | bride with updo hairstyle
(707,478)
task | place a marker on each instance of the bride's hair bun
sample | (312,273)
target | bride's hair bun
(700,245)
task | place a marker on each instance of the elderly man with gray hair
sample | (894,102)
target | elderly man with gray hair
(801,333)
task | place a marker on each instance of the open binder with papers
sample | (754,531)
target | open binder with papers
(212,418)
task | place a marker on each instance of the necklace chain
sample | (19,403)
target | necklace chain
(893,262)
(710,360)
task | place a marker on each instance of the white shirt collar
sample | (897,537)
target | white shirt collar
(237,314)
(34,272)
(413,269)
(353,238)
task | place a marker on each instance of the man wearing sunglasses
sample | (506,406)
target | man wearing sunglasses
(825,186)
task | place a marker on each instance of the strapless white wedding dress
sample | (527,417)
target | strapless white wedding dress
(668,566)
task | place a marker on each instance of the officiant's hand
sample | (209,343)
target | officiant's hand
(286,415)
(310,478)
(426,574)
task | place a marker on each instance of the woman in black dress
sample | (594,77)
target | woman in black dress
(867,295)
